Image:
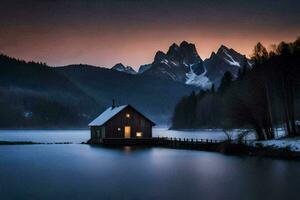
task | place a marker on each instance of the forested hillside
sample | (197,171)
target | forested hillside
(154,96)
(34,95)
(262,98)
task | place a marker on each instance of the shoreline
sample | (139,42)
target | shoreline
(31,143)
(225,148)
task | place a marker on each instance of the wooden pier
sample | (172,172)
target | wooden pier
(221,146)
(201,144)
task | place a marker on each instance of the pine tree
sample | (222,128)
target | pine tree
(260,54)
(225,82)
(212,89)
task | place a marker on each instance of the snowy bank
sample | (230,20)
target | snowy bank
(292,144)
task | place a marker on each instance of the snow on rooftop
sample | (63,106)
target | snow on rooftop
(106,115)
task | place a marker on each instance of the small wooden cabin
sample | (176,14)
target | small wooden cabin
(121,122)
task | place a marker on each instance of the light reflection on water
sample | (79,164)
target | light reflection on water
(78,136)
(76,171)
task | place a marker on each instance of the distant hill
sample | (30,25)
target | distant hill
(36,95)
(153,96)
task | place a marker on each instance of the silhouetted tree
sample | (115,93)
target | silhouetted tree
(212,89)
(260,54)
(263,98)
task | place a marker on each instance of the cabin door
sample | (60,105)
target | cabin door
(127,131)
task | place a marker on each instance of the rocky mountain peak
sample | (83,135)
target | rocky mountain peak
(159,56)
(121,68)
(226,59)
(181,63)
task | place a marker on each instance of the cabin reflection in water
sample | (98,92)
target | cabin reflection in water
(121,122)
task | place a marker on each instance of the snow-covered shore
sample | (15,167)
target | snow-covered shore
(292,144)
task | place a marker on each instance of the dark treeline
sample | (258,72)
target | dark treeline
(262,98)
(34,95)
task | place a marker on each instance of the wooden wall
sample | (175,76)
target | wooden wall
(136,121)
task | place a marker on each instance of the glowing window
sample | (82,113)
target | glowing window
(119,129)
(139,134)
(127,115)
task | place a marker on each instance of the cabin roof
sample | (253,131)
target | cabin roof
(106,115)
(109,113)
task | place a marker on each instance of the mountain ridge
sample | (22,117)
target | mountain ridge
(182,63)
(39,96)
(121,68)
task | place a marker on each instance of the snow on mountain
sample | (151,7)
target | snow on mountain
(181,63)
(231,61)
(225,60)
(198,80)
(121,68)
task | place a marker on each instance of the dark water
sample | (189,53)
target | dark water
(85,172)
(77,171)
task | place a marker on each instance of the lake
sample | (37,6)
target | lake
(78,136)
(78,171)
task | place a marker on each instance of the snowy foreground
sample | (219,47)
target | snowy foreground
(292,144)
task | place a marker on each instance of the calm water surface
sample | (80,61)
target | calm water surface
(77,136)
(77,171)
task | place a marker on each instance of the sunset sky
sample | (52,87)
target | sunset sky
(102,33)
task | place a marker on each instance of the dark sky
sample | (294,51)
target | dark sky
(105,32)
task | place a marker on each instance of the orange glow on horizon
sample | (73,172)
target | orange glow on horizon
(95,47)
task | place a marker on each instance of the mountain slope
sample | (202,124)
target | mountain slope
(181,63)
(121,68)
(224,60)
(153,96)
(36,95)
(144,68)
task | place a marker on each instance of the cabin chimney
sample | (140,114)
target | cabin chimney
(113,104)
